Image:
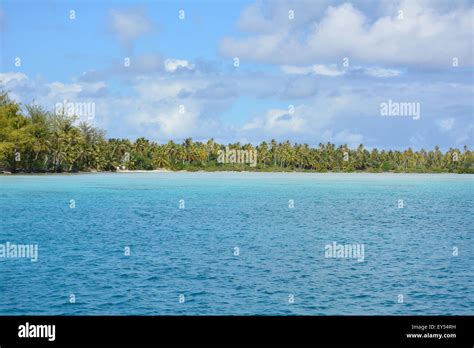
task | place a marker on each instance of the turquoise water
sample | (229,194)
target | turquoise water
(281,251)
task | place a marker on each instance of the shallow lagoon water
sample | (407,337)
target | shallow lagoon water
(191,251)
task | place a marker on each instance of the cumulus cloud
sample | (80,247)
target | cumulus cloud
(309,120)
(160,88)
(171,65)
(61,89)
(318,69)
(174,124)
(422,35)
(305,124)
(6,78)
(278,122)
(332,102)
(343,110)
(79,89)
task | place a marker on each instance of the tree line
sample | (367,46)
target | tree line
(34,140)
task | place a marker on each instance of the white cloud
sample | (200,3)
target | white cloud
(309,120)
(6,78)
(58,88)
(325,109)
(72,90)
(425,36)
(278,122)
(171,65)
(173,124)
(318,69)
(161,88)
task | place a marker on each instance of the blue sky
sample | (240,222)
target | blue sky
(291,57)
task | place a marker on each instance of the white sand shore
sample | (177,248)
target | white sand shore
(144,171)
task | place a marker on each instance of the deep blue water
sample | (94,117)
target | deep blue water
(190,251)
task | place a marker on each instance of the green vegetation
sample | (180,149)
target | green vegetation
(35,141)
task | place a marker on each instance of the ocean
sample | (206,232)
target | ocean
(236,244)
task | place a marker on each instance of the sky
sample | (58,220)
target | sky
(250,71)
